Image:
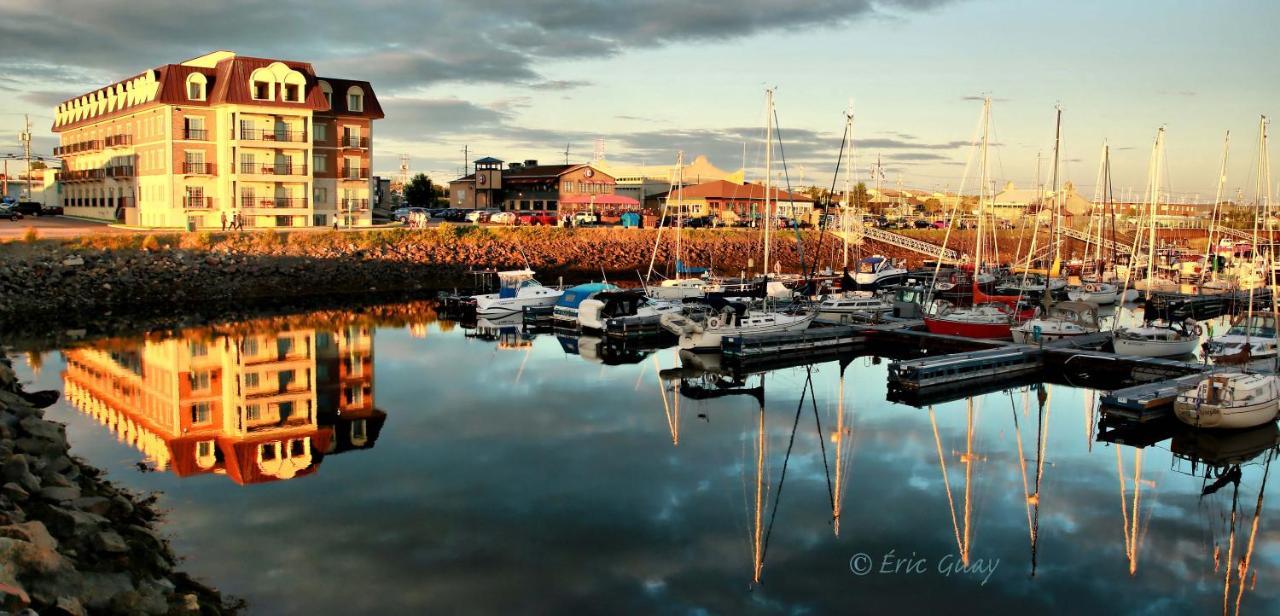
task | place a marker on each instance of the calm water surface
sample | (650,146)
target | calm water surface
(337,464)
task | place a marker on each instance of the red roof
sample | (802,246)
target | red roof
(724,189)
(606,199)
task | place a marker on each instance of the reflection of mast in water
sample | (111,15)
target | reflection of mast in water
(670,407)
(1242,569)
(963,535)
(1133,531)
(757,534)
(843,440)
(1032,498)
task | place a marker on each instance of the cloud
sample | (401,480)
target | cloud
(560,84)
(47,98)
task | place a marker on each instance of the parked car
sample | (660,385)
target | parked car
(10,211)
(479,216)
(536,218)
(923,224)
(939,224)
(585,218)
(51,210)
(29,208)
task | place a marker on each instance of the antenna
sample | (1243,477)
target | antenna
(598,155)
(566,153)
(466,160)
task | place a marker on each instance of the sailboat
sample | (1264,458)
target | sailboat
(1065,320)
(1157,338)
(991,316)
(735,319)
(1240,399)
(517,290)
(1152,282)
(681,286)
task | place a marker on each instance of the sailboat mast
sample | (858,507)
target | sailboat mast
(1210,259)
(768,170)
(1057,193)
(848,184)
(1157,158)
(982,189)
(679,209)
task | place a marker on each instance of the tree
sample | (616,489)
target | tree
(860,198)
(420,191)
(933,205)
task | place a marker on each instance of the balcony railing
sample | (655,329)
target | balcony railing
(197,203)
(283,202)
(261,134)
(353,204)
(120,171)
(197,168)
(79,175)
(92,145)
(353,173)
(355,141)
(288,169)
(195,134)
(115,141)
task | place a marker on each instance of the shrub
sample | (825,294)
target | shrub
(31,235)
(150,243)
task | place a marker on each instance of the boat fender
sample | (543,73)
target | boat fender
(714,322)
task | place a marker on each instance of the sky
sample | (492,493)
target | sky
(523,80)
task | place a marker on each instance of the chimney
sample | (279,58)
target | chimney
(531,163)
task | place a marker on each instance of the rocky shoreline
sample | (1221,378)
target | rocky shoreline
(71,542)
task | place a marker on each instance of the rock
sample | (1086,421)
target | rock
(54,479)
(17,470)
(73,261)
(41,428)
(33,532)
(93,504)
(40,399)
(110,541)
(59,493)
(71,523)
(70,606)
(14,492)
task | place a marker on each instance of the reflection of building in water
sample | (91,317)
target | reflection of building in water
(256,407)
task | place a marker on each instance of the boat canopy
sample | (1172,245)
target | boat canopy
(510,282)
(575,295)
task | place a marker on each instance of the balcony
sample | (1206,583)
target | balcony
(352,205)
(80,175)
(285,136)
(195,134)
(287,169)
(353,173)
(284,203)
(92,145)
(118,141)
(197,168)
(197,203)
(120,171)
(355,141)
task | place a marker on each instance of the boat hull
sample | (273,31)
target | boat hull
(967,329)
(710,339)
(1155,348)
(494,305)
(1212,416)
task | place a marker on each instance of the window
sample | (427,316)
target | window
(200,413)
(199,380)
(297,447)
(320,195)
(193,127)
(247,162)
(267,451)
(355,99)
(318,163)
(194,91)
(284,346)
(199,349)
(204,449)
(356,396)
(250,344)
(195,198)
(321,131)
(292,93)
(251,380)
(253,412)
(261,91)
(285,409)
(327,90)
(319,220)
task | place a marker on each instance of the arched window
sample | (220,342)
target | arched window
(196,84)
(355,99)
(328,93)
(293,85)
(262,85)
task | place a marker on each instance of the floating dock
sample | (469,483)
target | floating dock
(819,339)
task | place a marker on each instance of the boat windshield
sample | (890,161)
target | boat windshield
(868,266)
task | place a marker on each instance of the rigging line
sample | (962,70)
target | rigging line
(821,442)
(835,176)
(782,154)
(777,497)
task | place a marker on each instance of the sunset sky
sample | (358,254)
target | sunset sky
(519,80)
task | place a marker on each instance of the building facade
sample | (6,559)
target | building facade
(640,182)
(528,186)
(218,137)
(732,202)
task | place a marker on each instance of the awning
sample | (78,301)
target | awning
(605,199)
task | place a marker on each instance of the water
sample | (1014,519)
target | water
(441,471)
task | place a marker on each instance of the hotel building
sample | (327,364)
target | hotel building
(256,406)
(221,135)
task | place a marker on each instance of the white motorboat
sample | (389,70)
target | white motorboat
(1230,400)
(707,335)
(621,309)
(841,308)
(1251,340)
(1099,293)
(1158,339)
(1064,320)
(877,272)
(678,288)
(517,290)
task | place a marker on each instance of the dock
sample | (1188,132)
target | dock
(757,348)
(1149,401)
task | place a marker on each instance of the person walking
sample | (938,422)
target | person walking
(224,221)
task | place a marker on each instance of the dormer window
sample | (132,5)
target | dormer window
(196,87)
(261,91)
(355,99)
(327,90)
(292,93)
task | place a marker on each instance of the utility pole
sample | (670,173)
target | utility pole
(25,137)
(466,158)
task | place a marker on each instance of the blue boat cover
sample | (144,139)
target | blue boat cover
(681,268)
(577,294)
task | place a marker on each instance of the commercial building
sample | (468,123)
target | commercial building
(732,202)
(255,406)
(529,186)
(216,137)
(1014,203)
(640,182)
